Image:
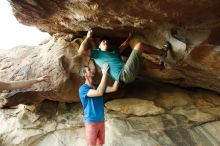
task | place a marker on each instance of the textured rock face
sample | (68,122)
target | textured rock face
(77,15)
(132,106)
(184,123)
(55,58)
(191,27)
(148,114)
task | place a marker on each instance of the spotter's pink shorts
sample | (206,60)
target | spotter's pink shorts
(95,133)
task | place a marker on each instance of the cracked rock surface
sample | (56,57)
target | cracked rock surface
(147,112)
(193,123)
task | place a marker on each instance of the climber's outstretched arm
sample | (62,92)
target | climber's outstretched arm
(22,84)
(84,48)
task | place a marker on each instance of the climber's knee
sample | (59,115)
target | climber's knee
(136,43)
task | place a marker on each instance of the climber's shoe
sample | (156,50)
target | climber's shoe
(166,47)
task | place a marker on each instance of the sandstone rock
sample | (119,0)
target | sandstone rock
(67,16)
(207,134)
(214,111)
(34,128)
(56,58)
(53,123)
(194,57)
(134,106)
(201,101)
(188,118)
(194,65)
(211,97)
(173,99)
(194,114)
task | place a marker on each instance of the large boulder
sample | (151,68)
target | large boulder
(56,58)
(78,15)
(191,27)
(148,113)
(52,123)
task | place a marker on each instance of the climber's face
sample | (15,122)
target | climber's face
(104,45)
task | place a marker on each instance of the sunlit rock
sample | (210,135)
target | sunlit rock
(134,106)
